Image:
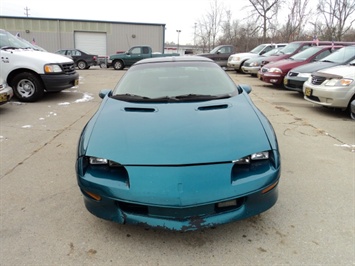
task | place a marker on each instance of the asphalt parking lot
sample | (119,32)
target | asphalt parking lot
(43,220)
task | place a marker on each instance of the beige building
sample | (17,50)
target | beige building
(96,37)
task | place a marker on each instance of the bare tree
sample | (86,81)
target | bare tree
(296,19)
(209,26)
(266,10)
(337,16)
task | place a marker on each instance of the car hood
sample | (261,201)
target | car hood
(175,133)
(312,67)
(39,56)
(346,71)
(286,64)
(273,58)
(245,55)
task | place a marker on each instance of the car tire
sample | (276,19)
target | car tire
(103,65)
(118,65)
(27,87)
(81,65)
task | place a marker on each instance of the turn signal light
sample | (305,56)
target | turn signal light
(269,188)
(93,195)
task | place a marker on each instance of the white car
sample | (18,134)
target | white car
(236,61)
(332,87)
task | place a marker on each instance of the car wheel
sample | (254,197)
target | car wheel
(118,65)
(103,65)
(27,87)
(82,65)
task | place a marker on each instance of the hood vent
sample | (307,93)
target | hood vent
(140,109)
(213,107)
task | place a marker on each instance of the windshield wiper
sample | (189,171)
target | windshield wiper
(328,61)
(201,97)
(9,47)
(130,97)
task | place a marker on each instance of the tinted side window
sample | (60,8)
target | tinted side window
(322,55)
(136,50)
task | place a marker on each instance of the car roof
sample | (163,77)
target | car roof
(166,59)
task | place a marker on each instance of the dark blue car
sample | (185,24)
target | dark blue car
(177,145)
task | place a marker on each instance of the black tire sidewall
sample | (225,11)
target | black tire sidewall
(118,62)
(39,88)
(81,63)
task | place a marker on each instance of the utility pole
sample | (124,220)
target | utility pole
(26,11)
(178,44)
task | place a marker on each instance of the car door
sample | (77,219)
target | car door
(75,54)
(135,54)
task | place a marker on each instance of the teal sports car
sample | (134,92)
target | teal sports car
(178,145)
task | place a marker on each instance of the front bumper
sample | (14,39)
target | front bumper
(250,70)
(60,82)
(234,64)
(337,97)
(276,79)
(6,93)
(180,198)
(294,83)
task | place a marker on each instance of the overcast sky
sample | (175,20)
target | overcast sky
(176,14)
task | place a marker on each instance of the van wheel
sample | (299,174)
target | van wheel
(82,65)
(27,87)
(118,65)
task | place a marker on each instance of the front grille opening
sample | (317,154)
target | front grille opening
(181,213)
(313,98)
(230,206)
(68,68)
(316,80)
(132,208)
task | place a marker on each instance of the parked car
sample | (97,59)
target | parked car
(298,75)
(299,46)
(275,72)
(6,92)
(133,55)
(177,145)
(81,59)
(332,87)
(253,65)
(237,61)
(220,54)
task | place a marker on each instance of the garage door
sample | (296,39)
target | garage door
(91,42)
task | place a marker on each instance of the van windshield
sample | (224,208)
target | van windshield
(290,48)
(340,56)
(258,49)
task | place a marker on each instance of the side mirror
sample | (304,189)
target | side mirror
(245,87)
(104,92)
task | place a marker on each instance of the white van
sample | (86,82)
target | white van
(31,72)
(236,61)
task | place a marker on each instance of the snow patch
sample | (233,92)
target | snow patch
(86,98)
(346,147)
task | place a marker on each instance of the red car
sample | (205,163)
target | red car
(275,72)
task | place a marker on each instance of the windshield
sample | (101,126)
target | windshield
(290,48)
(258,49)
(272,52)
(214,50)
(340,56)
(304,55)
(9,40)
(178,80)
